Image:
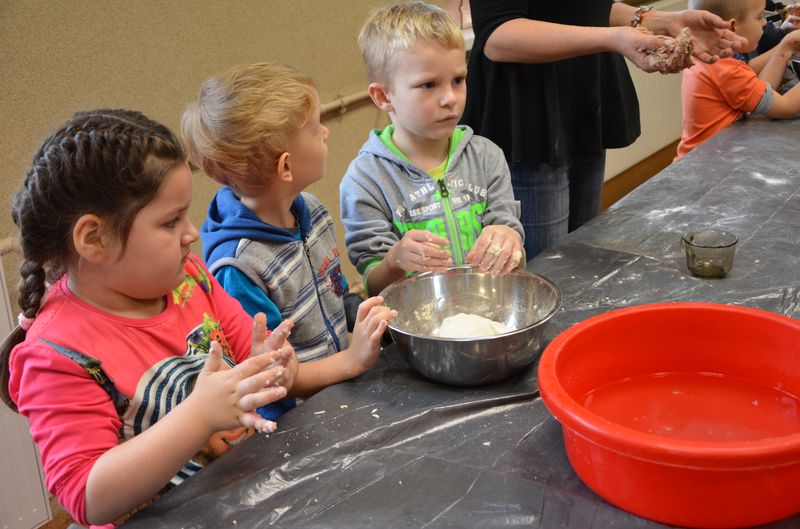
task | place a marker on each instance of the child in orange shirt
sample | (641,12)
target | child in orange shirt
(715,95)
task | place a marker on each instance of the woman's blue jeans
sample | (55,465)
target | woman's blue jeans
(557,198)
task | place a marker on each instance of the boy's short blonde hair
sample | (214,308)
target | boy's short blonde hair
(397,27)
(725,9)
(243,120)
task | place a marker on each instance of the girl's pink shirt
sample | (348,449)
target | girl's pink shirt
(72,419)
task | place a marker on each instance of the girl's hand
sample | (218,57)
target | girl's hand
(419,251)
(263,341)
(498,250)
(371,322)
(277,346)
(228,397)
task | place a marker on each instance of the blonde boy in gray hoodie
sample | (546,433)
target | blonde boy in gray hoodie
(424,193)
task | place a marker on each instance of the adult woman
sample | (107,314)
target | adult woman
(548,83)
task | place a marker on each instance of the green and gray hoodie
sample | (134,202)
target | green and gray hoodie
(383,196)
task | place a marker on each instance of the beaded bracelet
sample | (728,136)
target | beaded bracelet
(641,11)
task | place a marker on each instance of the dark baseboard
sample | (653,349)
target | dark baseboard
(633,177)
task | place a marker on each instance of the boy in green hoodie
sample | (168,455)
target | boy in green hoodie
(423,193)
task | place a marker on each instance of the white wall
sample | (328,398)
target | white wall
(23,499)
(660,106)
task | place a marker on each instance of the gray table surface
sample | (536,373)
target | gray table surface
(391,449)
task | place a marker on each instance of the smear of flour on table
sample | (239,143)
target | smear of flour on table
(768,180)
(658,213)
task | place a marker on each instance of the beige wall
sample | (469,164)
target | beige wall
(62,56)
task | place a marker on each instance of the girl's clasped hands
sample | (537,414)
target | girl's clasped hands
(227,397)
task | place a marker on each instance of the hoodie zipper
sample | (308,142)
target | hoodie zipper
(319,297)
(455,245)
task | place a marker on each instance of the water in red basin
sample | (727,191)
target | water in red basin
(698,407)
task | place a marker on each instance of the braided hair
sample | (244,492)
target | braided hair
(110,163)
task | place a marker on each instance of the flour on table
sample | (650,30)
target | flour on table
(469,326)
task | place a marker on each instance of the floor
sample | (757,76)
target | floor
(61,520)
(631,178)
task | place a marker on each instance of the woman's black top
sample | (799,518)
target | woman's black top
(552,111)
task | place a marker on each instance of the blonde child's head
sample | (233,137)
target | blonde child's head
(725,9)
(108,163)
(243,120)
(395,28)
(747,16)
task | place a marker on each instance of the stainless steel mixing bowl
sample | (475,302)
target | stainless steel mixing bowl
(522,300)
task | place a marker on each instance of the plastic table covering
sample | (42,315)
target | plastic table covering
(392,449)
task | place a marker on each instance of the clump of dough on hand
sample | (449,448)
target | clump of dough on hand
(673,54)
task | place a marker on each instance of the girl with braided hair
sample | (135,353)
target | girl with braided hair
(134,357)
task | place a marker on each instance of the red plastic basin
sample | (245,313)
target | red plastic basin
(684,413)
